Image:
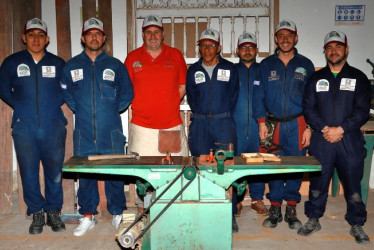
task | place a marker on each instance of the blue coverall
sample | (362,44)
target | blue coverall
(38,124)
(280,94)
(212,102)
(97,92)
(343,101)
(246,126)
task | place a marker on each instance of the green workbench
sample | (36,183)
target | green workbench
(200,218)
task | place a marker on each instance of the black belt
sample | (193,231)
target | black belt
(210,117)
(273,118)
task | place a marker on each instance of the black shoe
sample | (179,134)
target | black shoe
(291,219)
(311,226)
(38,221)
(54,221)
(235,227)
(275,217)
(360,236)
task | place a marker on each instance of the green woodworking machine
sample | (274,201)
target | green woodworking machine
(191,208)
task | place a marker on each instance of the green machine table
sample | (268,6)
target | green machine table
(192,208)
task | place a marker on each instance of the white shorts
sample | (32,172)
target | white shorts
(144,141)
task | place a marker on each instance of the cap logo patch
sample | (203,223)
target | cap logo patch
(209,32)
(93,22)
(285,23)
(36,21)
(334,34)
(152,19)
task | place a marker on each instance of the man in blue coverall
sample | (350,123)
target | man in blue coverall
(30,85)
(212,89)
(278,99)
(336,105)
(246,126)
(97,88)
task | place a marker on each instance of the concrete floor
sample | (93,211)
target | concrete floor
(334,234)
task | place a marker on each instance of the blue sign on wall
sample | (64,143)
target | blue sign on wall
(349,14)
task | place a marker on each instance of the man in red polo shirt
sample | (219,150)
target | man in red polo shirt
(158,73)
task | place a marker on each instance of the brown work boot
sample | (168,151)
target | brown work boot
(259,207)
(239,206)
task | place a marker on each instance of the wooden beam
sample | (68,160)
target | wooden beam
(276,15)
(105,15)
(64,51)
(23,10)
(6,159)
(130,20)
(88,9)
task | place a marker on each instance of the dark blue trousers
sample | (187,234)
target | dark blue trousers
(348,158)
(33,145)
(88,193)
(286,186)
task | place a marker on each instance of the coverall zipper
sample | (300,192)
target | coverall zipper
(333,101)
(248,102)
(37,93)
(210,93)
(285,92)
(93,101)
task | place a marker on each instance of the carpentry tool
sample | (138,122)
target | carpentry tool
(192,208)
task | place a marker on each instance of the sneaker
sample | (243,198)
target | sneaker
(85,224)
(38,222)
(311,226)
(360,236)
(291,219)
(235,227)
(54,221)
(259,207)
(275,217)
(116,221)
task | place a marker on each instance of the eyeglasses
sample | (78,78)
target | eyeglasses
(245,47)
(208,46)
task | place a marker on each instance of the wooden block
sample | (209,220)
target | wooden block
(252,157)
(270,157)
(259,157)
